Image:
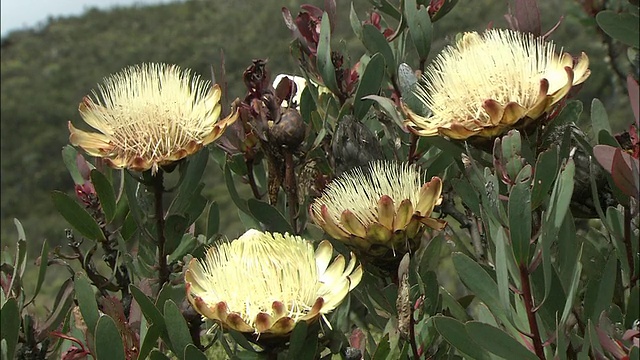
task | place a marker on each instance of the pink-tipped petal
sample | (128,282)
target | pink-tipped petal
(386,211)
(352,224)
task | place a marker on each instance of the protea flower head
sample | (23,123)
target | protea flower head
(488,83)
(380,211)
(264,283)
(150,115)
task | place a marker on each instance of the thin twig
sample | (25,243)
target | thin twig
(627,244)
(291,189)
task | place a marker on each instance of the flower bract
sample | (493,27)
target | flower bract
(264,283)
(380,210)
(150,115)
(488,83)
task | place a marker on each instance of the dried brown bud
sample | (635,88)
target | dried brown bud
(289,131)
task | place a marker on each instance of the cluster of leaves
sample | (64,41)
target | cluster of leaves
(530,279)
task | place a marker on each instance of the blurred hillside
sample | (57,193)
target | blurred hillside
(45,72)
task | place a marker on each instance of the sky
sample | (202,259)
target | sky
(20,14)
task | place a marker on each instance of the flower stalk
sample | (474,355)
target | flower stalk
(527,296)
(158,192)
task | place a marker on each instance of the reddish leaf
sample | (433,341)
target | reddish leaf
(624,171)
(604,155)
(525,17)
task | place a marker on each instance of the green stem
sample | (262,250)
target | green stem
(163,268)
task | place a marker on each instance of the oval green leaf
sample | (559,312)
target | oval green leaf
(76,216)
(177,329)
(269,216)
(108,340)
(105,194)
(497,341)
(370,82)
(87,301)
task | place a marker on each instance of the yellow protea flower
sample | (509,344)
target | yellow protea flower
(150,115)
(487,83)
(264,283)
(381,211)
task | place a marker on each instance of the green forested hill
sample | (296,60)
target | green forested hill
(46,71)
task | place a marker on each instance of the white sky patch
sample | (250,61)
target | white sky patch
(23,14)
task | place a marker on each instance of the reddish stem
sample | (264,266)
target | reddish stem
(531,315)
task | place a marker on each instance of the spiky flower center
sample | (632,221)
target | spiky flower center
(502,65)
(152,110)
(255,270)
(359,191)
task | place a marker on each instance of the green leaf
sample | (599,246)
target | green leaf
(408,83)
(557,210)
(192,352)
(356,24)
(561,196)
(42,270)
(620,26)
(324,61)
(476,279)
(61,308)
(567,251)
(10,324)
(20,262)
(599,118)
(177,328)
(149,310)
(420,27)
(69,156)
(131,188)
(544,175)
(213,220)
(512,153)
(633,311)
(469,196)
(388,108)
(297,342)
(455,333)
(502,271)
(190,185)
(233,193)
(383,349)
(149,342)
(573,287)
(105,194)
(76,216)
(454,307)
(497,341)
(108,340)
(241,340)
(269,216)
(519,208)
(157,355)
(599,295)
(174,229)
(369,84)
(187,244)
(87,301)
(375,42)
